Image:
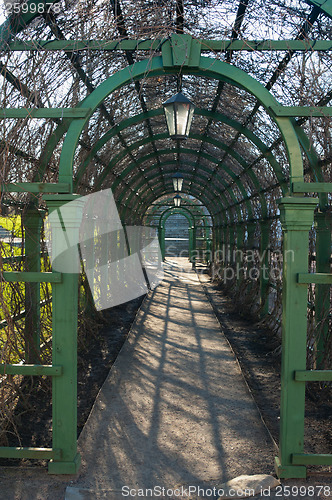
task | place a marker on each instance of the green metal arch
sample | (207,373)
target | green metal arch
(207,139)
(238,158)
(200,215)
(208,67)
(218,144)
(194,153)
(56,136)
(313,161)
(176,210)
(194,191)
(141,208)
(201,112)
(324,5)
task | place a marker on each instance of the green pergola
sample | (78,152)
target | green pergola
(226,179)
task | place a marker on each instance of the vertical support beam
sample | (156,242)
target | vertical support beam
(250,253)
(90,252)
(296,215)
(239,254)
(213,246)
(323,226)
(231,240)
(32,221)
(190,229)
(194,246)
(223,233)
(161,236)
(209,251)
(123,251)
(218,242)
(215,251)
(64,342)
(264,268)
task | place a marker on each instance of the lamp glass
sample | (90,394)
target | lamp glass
(177,200)
(177,182)
(179,112)
(170,120)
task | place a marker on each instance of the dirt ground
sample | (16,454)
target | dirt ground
(96,354)
(258,354)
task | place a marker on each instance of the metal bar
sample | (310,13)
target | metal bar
(33,277)
(35,187)
(64,346)
(296,215)
(320,278)
(322,296)
(311,459)
(313,375)
(74,60)
(44,113)
(324,5)
(294,111)
(10,452)
(121,26)
(148,45)
(242,6)
(312,187)
(301,36)
(15,369)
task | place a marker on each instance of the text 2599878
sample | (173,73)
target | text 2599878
(32,8)
(284,491)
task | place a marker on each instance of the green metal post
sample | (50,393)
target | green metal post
(90,264)
(323,223)
(215,251)
(264,268)
(64,346)
(194,231)
(230,257)
(251,229)
(239,262)
(296,215)
(105,259)
(224,246)
(162,243)
(161,238)
(32,220)
(122,250)
(209,251)
(217,244)
(213,246)
(190,229)
(208,245)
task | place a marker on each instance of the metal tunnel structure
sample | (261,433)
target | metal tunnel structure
(82,89)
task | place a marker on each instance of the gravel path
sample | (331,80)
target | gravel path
(174,411)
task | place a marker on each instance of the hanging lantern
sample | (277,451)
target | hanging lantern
(177,182)
(179,114)
(177,200)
